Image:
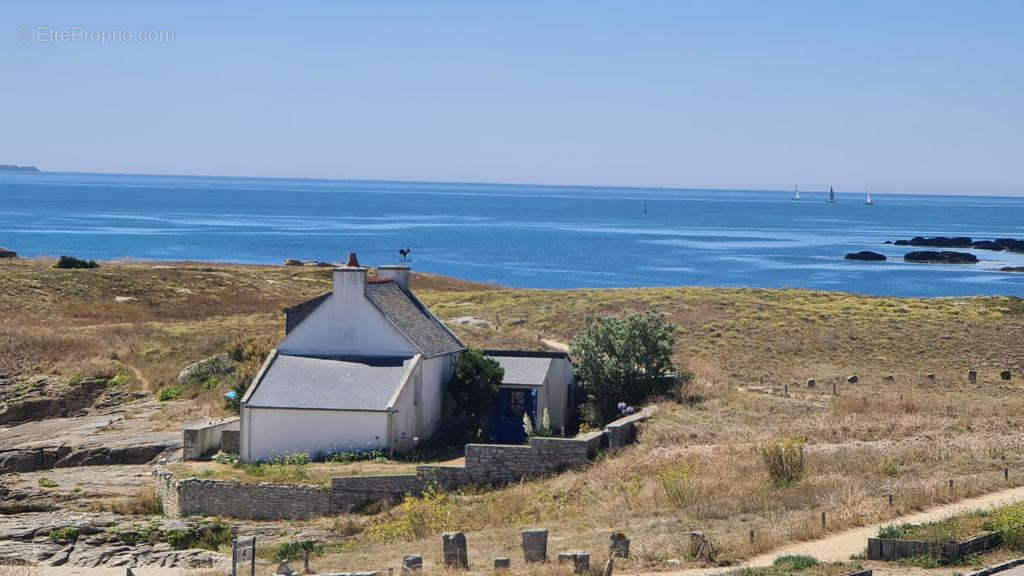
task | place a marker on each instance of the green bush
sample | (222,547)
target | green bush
(677,483)
(293,550)
(292,459)
(794,563)
(69,262)
(67,534)
(168,393)
(894,531)
(473,389)
(45,482)
(622,360)
(118,379)
(346,457)
(1009,523)
(416,518)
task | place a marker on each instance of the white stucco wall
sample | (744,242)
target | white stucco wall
(347,324)
(269,433)
(560,377)
(437,372)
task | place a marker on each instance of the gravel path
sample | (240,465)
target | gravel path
(840,546)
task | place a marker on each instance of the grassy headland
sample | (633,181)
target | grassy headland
(697,465)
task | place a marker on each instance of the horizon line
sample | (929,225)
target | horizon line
(505,183)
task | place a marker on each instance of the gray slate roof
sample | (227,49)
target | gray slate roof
(523,370)
(412,319)
(329,384)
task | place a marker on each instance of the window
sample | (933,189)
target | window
(516,404)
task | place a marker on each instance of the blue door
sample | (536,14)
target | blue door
(507,421)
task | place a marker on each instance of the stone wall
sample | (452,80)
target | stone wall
(485,464)
(250,501)
(204,438)
(229,441)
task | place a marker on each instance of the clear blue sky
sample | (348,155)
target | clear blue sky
(891,96)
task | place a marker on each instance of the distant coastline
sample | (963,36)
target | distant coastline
(16,168)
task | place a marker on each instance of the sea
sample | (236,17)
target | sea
(518,235)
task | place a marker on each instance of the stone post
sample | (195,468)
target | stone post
(811,383)
(931,377)
(888,379)
(618,545)
(1005,375)
(535,545)
(580,561)
(973,376)
(453,549)
(853,379)
(502,563)
(413,563)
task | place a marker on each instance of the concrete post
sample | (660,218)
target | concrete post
(502,563)
(973,376)
(413,563)
(535,545)
(453,549)
(580,561)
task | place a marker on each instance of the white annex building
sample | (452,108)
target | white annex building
(365,367)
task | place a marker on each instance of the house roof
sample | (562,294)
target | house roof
(412,318)
(306,382)
(523,370)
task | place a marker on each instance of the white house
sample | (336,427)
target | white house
(365,367)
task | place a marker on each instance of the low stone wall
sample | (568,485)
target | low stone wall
(229,441)
(250,501)
(485,464)
(205,437)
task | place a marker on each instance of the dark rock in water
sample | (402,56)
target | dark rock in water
(888,242)
(943,257)
(1012,269)
(902,243)
(5,253)
(1010,244)
(866,255)
(942,242)
(987,245)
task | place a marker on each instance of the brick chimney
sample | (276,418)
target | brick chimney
(396,273)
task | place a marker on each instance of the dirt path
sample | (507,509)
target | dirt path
(840,546)
(138,375)
(555,345)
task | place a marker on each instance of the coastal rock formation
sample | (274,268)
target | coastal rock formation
(219,365)
(16,168)
(866,255)
(944,257)
(1012,269)
(292,262)
(999,244)
(5,253)
(90,540)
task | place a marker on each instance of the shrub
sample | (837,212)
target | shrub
(784,461)
(794,563)
(292,550)
(67,533)
(69,262)
(473,389)
(893,531)
(292,459)
(1009,522)
(118,379)
(677,483)
(622,360)
(417,517)
(346,457)
(45,482)
(166,393)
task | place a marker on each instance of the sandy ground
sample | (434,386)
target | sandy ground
(841,546)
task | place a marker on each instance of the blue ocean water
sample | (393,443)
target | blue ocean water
(516,235)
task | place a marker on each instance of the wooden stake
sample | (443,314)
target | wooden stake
(890,500)
(751,535)
(823,520)
(1006,473)
(950,483)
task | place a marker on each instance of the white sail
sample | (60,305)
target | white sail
(796,192)
(867,198)
(831,194)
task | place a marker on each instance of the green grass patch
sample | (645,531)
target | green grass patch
(65,534)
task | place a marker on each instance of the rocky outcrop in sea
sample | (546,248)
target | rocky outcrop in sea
(944,257)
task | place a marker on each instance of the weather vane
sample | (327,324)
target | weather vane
(404,252)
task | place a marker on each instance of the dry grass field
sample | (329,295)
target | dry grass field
(697,465)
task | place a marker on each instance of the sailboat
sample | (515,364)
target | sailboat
(796,192)
(867,198)
(831,195)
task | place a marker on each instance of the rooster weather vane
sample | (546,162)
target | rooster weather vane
(404,252)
